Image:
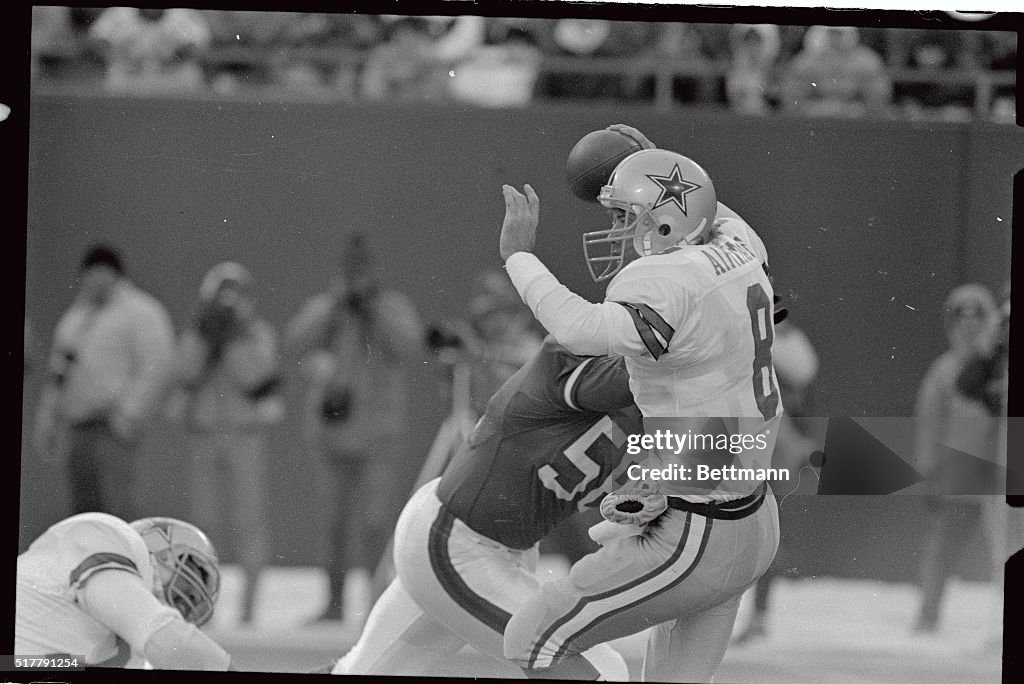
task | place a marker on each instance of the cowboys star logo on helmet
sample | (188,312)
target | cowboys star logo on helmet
(651,211)
(673,188)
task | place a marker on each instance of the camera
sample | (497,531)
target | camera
(441,337)
(219,322)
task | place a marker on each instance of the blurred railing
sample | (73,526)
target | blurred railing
(659,71)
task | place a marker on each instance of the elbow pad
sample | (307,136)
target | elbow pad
(181,646)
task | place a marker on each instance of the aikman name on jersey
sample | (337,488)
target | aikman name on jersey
(727,255)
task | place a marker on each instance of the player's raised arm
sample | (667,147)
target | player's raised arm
(580,326)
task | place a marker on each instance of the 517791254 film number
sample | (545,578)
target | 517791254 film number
(42,662)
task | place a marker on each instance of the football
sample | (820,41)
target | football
(593,159)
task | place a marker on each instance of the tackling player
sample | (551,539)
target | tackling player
(692,315)
(119,594)
(550,443)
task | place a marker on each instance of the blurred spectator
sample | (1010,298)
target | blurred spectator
(592,38)
(315,52)
(456,37)
(111,360)
(501,72)
(53,40)
(239,38)
(228,375)
(687,46)
(932,47)
(356,340)
(985,378)
(796,368)
(998,50)
(152,50)
(835,75)
(946,418)
(506,335)
(749,82)
(353,35)
(405,66)
(931,55)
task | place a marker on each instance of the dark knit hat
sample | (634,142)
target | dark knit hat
(102,255)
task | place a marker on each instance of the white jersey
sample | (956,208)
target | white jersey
(704,318)
(695,324)
(48,617)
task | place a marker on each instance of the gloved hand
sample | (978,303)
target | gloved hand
(633,509)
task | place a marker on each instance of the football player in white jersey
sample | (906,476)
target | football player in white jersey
(119,595)
(689,306)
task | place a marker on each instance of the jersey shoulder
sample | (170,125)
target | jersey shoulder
(737,229)
(87,543)
(665,271)
(668,282)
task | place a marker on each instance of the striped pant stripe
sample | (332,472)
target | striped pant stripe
(452,583)
(591,610)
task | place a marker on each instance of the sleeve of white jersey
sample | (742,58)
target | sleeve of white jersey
(121,603)
(634,320)
(91,546)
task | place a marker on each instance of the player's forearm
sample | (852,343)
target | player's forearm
(578,325)
(181,646)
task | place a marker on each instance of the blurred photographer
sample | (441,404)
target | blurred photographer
(949,421)
(505,335)
(228,363)
(106,375)
(985,378)
(355,342)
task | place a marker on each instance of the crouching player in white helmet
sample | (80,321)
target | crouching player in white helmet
(116,594)
(551,443)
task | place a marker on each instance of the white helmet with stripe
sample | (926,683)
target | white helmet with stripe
(662,199)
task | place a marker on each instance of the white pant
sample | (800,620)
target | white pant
(454,588)
(685,573)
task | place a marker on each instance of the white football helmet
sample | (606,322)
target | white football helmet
(666,199)
(185,572)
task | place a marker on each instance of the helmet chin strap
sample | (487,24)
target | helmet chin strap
(646,243)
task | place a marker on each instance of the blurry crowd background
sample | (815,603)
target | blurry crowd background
(496,61)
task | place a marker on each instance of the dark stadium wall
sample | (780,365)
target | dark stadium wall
(868,225)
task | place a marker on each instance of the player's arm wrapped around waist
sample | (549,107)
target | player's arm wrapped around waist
(633,504)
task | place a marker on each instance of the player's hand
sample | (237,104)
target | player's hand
(633,509)
(606,532)
(522,214)
(633,133)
